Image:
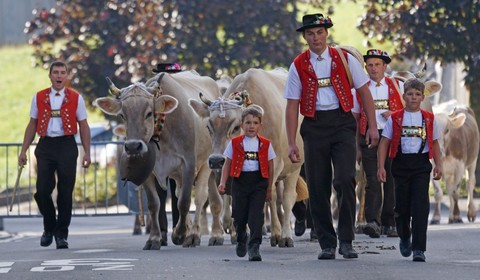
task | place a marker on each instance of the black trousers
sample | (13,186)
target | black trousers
(329,139)
(162,215)
(412,204)
(58,156)
(249,192)
(378,208)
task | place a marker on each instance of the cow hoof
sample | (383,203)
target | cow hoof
(191,241)
(285,242)
(148,245)
(178,240)
(274,241)
(455,221)
(215,241)
(152,245)
(435,222)
(359,229)
(137,231)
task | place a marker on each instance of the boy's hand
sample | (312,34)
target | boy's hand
(268,198)
(221,188)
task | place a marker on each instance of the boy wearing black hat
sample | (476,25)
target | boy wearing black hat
(386,93)
(319,87)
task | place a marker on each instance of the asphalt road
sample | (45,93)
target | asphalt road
(104,248)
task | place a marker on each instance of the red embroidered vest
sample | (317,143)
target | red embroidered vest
(68,111)
(394,103)
(397,121)
(338,78)
(238,156)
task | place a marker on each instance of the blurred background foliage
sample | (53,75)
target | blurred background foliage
(124,39)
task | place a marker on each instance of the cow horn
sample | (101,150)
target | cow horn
(420,74)
(155,89)
(204,99)
(112,88)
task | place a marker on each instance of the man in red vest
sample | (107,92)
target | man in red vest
(56,113)
(386,94)
(319,86)
(410,137)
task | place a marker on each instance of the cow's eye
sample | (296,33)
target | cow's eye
(149,115)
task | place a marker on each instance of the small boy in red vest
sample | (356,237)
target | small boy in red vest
(411,139)
(249,162)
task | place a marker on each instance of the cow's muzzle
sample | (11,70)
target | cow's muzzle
(135,147)
(216,161)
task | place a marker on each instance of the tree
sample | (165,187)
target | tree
(125,39)
(445,31)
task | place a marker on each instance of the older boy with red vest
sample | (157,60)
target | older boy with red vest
(411,138)
(386,94)
(55,114)
(319,82)
(249,161)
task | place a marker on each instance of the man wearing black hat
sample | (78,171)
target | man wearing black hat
(319,87)
(386,93)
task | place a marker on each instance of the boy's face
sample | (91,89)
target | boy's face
(413,99)
(251,126)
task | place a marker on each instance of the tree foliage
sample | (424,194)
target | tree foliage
(125,39)
(445,31)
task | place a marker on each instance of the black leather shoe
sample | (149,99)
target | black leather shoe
(347,251)
(313,235)
(300,227)
(164,240)
(418,256)
(47,239)
(61,243)
(254,253)
(405,248)
(372,229)
(327,254)
(241,249)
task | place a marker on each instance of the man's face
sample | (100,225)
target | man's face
(316,38)
(58,77)
(376,68)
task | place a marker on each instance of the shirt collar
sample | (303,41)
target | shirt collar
(53,91)
(325,54)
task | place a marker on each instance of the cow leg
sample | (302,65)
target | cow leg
(360,190)
(438,195)
(153,201)
(275,234)
(201,195)
(185,185)
(453,185)
(472,212)
(137,228)
(216,205)
(288,200)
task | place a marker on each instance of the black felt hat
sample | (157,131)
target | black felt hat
(376,53)
(315,20)
(167,67)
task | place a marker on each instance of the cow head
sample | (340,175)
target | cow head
(224,121)
(141,108)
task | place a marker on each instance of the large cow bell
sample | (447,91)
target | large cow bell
(136,169)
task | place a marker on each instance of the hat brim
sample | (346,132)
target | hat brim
(165,71)
(386,59)
(314,25)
